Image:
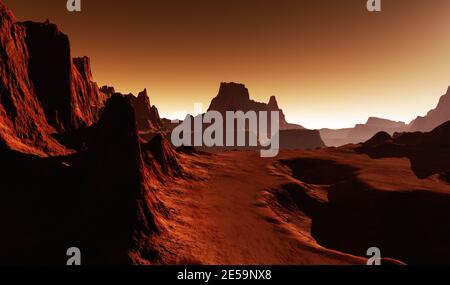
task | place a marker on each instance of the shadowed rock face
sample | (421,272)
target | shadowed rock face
(108,90)
(120,203)
(435,117)
(378,139)
(429,153)
(95,196)
(311,171)
(42,90)
(23,123)
(97,199)
(147,116)
(410,225)
(155,118)
(64,85)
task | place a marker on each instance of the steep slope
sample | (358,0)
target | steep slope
(99,200)
(42,90)
(63,85)
(23,125)
(147,116)
(98,195)
(435,117)
(161,157)
(121,206)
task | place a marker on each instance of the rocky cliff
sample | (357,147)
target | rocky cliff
(74,170)
(42,89)
(147,116)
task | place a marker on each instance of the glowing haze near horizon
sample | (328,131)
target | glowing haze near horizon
(330,63)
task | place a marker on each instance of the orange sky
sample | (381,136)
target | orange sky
(330,63)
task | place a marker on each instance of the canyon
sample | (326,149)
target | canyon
(85,166)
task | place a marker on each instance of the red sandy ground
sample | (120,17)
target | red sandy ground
(225,216)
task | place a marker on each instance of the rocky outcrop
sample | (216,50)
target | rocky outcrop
(90,99)
(74,172)
(435,117)
(63,85)
(161,157)
(121,207)
(42,90)
(235,97)
(108,90)
(378,139)
(99,199)
(429,153)
(351,211)
(23,125)
(147,116)
(155,118)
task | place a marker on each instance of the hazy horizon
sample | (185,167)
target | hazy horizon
(330,64)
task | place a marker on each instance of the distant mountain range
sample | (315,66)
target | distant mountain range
(363,132)
(435,117)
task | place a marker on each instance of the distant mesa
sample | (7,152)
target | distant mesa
(361,132)
(375,125)
(235,97)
